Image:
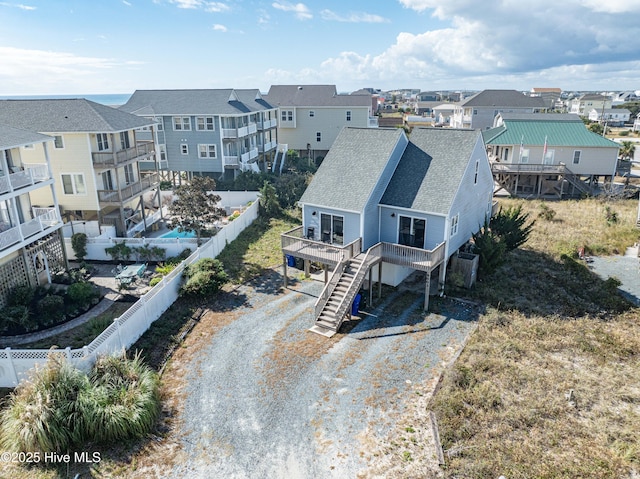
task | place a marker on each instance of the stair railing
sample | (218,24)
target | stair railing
(329,287)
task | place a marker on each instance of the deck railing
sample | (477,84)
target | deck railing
(130,191)
(295,244)
(416,258)
(45,218)
(329,287)
(30,175)
(111,158)
(527,168)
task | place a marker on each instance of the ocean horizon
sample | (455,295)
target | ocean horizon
(109,99)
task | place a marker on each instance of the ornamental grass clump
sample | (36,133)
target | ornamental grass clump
(43,413)
(60,408)
(123,402)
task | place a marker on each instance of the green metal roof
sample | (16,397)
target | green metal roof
(556,133)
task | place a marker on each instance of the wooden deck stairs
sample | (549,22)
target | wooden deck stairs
(337,297)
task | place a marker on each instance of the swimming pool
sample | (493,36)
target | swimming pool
(174,233)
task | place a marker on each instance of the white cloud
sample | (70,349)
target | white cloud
(213,7)
(128,4)
(300,9)
(354,17)
(35,71)
(219,28)
(17,5)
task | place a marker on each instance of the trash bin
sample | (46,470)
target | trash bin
(291,261)
(355,307)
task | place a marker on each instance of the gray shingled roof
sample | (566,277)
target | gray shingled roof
(314,95)
(504,98)
(14,137)
(195,102)
(67,115)
(431,169)
(352,168)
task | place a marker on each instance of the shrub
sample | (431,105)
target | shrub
(81,294)
(546,213)
(269,204)
(17,316)
(21,295)
(119,251)
(509,226)
(490,249)
(51,309)
(43,414)
(166,185)
(155,281)
(79,245)
(610,215)
(203,278)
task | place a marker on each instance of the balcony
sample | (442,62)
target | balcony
(230,161)
(118,197)
(233,133)
(109,159)
(253,128)
(32,174)
(266,124)
(295,244)
(46,219)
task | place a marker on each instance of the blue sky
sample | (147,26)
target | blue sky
(117,46)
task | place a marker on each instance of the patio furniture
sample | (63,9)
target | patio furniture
(129,273)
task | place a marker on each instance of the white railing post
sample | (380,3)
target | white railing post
(12,366)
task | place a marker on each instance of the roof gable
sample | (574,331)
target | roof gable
(431,169)
(14,137)
(352,168)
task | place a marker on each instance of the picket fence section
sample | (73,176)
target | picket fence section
(127,329)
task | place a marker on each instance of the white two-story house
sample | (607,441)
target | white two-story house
(95,160)
(31,248)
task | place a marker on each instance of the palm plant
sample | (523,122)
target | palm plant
(627,150)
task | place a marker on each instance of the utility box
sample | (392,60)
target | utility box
(466,264)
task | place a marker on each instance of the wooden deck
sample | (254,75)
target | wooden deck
(417,258)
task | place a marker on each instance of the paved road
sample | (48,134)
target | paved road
(268,399)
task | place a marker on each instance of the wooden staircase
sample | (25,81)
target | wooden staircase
(335,300)
(571,178)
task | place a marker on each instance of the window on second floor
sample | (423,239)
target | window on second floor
(58,143)
(124,140)
(181,123)
(286,115)
(207,151)
(454,225)
(73,184)
(576,157)
(184,149)
(103,141)
(348,115)
(204,123)
(524,155)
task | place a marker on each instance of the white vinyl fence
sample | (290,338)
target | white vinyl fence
(127,329)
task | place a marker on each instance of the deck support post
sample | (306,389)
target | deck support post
(442,277)
(379,280)
(426,291)
(371,285)
(325,267)
(307,265)
(284,262)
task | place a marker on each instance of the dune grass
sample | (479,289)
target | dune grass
(544,386)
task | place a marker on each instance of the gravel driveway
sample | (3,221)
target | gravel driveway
(268,399)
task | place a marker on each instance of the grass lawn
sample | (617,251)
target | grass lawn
(546,385)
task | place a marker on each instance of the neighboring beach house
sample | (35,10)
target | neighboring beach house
(210,132)
(95,159)
(310,117)
(31,248)
(549,154)
(610,116)
(480,110)
(382,199)
(589,101)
